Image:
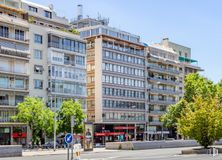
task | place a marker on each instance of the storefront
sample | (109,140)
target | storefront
(117,132)
(13,134)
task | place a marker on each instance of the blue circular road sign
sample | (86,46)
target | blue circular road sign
(68,138)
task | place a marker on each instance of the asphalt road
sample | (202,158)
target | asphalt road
(157,154)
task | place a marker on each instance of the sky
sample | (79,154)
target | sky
(193,23)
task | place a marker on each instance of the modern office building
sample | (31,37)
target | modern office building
(116,101)
(14,69)
(40,57)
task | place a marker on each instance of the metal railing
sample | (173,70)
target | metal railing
(174,71)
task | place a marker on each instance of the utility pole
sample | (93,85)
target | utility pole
(72,125)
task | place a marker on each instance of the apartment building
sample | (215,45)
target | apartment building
(164,80)
(168,65)
(58,64)
(116,100)
(189,65)
(40,57)
(14,73)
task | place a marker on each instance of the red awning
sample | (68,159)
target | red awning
(19,135)
(123,127)
(109,134)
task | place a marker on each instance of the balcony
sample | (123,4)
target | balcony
(69,62)
(161,102)
(155,123)
(5,18)
(165,81)
(157,112)
(163,70)
(13,87)
(164,91)
(12,49)
(9,103)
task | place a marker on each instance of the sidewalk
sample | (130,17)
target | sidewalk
(41,152)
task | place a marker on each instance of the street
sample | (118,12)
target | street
(156,154)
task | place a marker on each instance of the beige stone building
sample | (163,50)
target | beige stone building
(116,82)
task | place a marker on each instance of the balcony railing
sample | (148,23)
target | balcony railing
(159,101)
(164,91)
(168,81)
(14,49)
(164,70)
(9,102)
(156,123)
(72,63)
(157,112)
(14,87)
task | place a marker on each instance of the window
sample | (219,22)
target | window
(4,31)
(37,54)
(38,84)
(19,83)
(38,69)
(33,9)
(38,38)
(48,14)
(80,60)
(19,35)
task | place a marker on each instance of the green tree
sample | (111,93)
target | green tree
(195,85)
(202,120)
(71,108)
(173,113)
(38,117)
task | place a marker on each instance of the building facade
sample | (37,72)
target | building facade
(14,74)
(168,65)
(40,57)
(164,87)
(116,95)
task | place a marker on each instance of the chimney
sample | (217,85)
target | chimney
(79,12)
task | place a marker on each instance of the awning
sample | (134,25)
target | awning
(109,133)
(185,59)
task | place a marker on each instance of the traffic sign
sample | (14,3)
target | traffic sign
(68,138)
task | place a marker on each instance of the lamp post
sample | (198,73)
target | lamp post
(54,147)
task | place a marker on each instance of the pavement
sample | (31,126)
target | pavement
(102,154)
(40,152)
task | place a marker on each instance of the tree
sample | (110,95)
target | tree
(202,120)
(71,108)
(38,117)
(195,85)
(173,113)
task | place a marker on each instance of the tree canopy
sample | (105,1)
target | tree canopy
(68,109)
(198,113)
(38,117)
(202,121)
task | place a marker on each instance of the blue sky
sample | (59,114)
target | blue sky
(193,23)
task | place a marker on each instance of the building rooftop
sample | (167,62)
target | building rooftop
(36,5)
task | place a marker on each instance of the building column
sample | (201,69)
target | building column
(11,133)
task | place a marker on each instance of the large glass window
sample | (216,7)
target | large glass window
(80,60)
(33,9)
(37,54)
(38,38)
(19,35)
(19,83)
(4,82)
(48,14)
(4,31)
(38,84)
